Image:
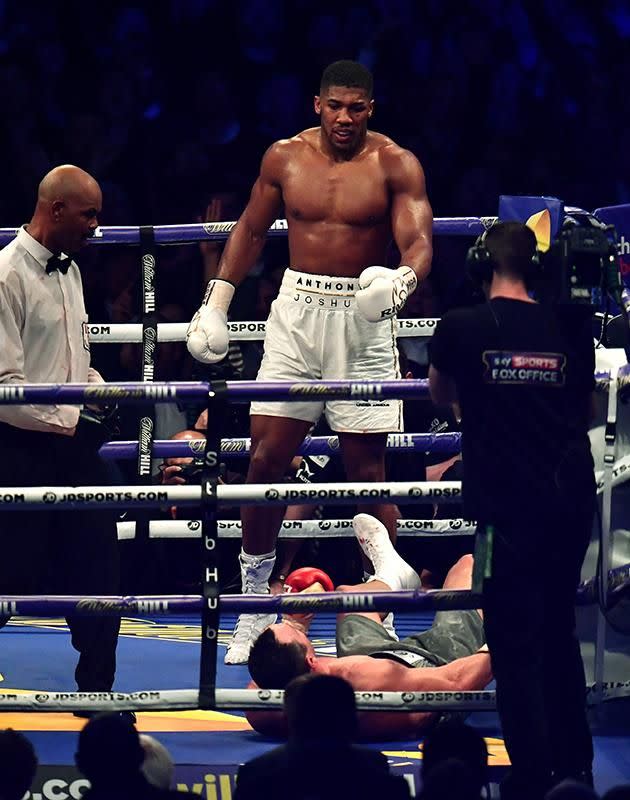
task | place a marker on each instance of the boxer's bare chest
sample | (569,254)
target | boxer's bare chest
(353,193)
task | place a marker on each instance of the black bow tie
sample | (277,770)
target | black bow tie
(57,262)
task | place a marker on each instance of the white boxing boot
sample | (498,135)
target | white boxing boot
(255,573)
(389,566)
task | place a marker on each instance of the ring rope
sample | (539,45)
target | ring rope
(23,498)
(263,699)
(152,605)
(312,445)
(290,603)
(299,528)
(126,332)
(219,231)
(237,391)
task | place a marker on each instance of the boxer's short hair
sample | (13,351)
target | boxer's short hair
(273,664)
(347,73)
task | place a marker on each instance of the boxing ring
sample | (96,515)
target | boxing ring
(201,709)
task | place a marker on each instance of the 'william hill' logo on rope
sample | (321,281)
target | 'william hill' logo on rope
(11,393)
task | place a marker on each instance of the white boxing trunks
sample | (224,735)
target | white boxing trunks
(315,332)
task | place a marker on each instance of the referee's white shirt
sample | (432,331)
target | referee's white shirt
(43,332)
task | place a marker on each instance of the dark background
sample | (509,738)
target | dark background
(169,103)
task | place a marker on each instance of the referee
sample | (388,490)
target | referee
(523,374)
(44,336)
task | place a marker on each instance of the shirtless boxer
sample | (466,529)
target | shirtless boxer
(450,656)
(345,192)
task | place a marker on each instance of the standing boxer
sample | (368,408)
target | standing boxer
(346,191)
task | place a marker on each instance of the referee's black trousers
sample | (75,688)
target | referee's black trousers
(62,552)
(529,618)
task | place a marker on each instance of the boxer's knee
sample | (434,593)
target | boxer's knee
(266,463)
(368,470)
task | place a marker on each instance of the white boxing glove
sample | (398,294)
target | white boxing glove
(207,337)
(384,291)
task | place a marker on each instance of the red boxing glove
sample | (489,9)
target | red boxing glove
(301,580)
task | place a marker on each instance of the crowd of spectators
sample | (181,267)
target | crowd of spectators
(169,104)
(166,103)
(320,759)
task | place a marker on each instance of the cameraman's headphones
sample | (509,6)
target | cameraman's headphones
(480,264)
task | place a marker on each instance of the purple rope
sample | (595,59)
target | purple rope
(244,391)
(219,231)
(79,393)
(238,391)
(280,603)
(312,445)
(158,605)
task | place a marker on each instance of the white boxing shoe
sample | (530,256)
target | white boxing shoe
(255,573)
(248,628)
(389,566)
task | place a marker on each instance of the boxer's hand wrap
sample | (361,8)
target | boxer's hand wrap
(308,579)
(384,291)
(207,337)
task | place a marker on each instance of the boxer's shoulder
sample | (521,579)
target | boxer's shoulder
(284,152)
(305,140)
(396,160)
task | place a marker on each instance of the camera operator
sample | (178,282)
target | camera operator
(182,469)
(523,375)
(180,557)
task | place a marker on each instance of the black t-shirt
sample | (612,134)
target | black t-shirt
(524,374)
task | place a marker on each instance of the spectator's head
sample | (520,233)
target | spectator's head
(572,790)
(321,708)
(455,740)
(157,767)
(450,779)
(281,653)
(19,763)
(109,751)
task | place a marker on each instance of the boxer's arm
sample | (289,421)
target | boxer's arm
(383,292)
(411,213)
(269,723)
(384,675)
(248,236)
(465,674)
